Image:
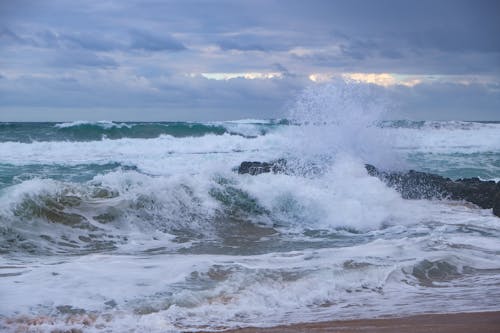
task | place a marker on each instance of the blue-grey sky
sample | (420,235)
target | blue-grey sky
(214,60)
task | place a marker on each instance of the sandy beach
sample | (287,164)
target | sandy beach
(483,322)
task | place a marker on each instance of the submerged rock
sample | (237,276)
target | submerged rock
(412,184)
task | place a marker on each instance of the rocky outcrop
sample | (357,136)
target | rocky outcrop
(421,185)
(412,184)
(496,205)
(256,168)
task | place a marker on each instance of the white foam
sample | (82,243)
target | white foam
(106,124)
(334,199)
(448,140)
(209,291)
(152,155)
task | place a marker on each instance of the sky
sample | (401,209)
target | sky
(223,60)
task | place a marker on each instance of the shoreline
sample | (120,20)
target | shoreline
(464,322)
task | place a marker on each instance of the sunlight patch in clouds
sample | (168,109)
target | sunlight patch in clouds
(382,79)
(407,80)
(242,75)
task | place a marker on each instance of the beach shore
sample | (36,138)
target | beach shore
(481,322)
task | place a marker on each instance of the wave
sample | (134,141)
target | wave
(352,120)
(124,206)
(440,125)
(84,131)
(101,130)
(213,211)
(101,123)
(44,216)
(213,292)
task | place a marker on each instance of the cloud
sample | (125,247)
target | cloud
(130,53)
(165,97)
(92,41)
(9,37)
(445,100)
(242,75)
(381,79)
(240,45)
(263,41)
(51,39)
(280,68)
(81,58)
(143,40)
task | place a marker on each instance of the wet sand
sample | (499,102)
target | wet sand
(480,322)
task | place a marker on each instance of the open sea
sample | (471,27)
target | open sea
(147,227)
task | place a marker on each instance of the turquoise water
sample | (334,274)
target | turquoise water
(451,160)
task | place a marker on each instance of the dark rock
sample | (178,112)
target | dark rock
(256,168)
(422,185)
(481,193)
(412,184)
(496,204)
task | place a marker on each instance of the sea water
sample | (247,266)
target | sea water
(111,226)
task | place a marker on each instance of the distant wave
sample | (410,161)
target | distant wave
(82,131)
(439,125)
(102,123)
(98,130)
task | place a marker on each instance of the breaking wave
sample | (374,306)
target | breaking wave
(100,130)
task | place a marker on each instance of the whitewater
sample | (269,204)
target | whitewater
(116,226)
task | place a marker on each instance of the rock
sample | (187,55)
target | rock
(256,168)
(422,185)
(496,205)
(412,184)
(481,193)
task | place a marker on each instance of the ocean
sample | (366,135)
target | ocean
(147,227)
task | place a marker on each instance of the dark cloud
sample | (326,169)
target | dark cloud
(255,42)
(56,40)
(92,41)
(147,41)
(240,45)
(446,100)
(390,53)
(8,37)
(47,39)
(81,58)
(233,98)
(280,68)
(463,39)
(358,49)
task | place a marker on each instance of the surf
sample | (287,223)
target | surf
(160,209)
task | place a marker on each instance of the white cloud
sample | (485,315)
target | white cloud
(379,79)
(243,75)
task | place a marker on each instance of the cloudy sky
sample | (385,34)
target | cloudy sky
(214,60)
